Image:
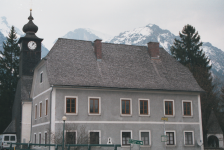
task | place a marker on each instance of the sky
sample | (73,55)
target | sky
(55,18)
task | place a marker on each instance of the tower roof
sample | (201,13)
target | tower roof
(30,26)
(213,124)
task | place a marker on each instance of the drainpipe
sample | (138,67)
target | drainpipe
(50,115)
(31,120)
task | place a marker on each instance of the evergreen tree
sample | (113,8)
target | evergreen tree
(9,71)
(187,51)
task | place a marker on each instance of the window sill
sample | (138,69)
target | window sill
(92,114)
(145,145)
(187,116)
(169,116)
(189,145)
(69,114)
(170,145)
(126,115)
(144,115)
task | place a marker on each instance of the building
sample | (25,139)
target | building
(116,91)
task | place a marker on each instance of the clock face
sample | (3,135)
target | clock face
(32,45)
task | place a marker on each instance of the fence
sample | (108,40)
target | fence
(68,146)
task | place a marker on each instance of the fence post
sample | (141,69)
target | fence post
(89,147)
(56,147)
(10,145)
(28,145)
(68,147)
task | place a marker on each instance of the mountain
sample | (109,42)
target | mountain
(87,35)
(153,33)
(5,28)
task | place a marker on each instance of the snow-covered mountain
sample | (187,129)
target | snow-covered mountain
(153,33)
(5,28)
(87,35)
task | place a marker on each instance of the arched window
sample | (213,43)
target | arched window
(213,141)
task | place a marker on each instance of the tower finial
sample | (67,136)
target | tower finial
(30,17)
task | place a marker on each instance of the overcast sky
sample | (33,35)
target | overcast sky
(56,17)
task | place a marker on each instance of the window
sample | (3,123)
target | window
(6,138)
(125,106)
(145,136)
(70,137)
(12,138)
(188,138)
(171,138)
(36,111)
(70,105)
(35,138)
(41,77)
(45,138)
(94,137)
(144,107)
(187,108)
(125,136)
(39,138)
(169,108)
(46,106)
(94,106)
(40,115)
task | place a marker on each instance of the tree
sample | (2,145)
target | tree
(188,52)
(9,71)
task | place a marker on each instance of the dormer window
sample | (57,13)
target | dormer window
(41,77)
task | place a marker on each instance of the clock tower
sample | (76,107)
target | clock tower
(30,46)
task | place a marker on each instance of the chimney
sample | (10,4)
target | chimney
(98,49)
(153,48)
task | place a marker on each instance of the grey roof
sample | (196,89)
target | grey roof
(73,62)
(11,128)
(213,125)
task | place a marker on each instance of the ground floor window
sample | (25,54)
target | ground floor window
(125,138)
(145,138)
(170,138)
(45,138)
(188,138)
(70,137)
(94,137)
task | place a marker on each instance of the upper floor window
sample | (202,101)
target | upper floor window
(144,107)
(187,108)
(41,77)
(126,105)
(94,105)
(70,105)
(36,111)
(46,106)
(169,108)
(40,115)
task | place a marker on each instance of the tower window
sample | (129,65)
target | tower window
(41,77)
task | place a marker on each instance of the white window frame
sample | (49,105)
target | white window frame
(121,106)
(76,105)
(41,110)
(94,114)
(35,142)
(36,112)
(175,138)
(39,139)
(71,131)
(192,138)
(148,106)
(183,108)
(165,110)
(40,77)
(44,137)
(95,131)
(46,107)
(140,131)
(121,131)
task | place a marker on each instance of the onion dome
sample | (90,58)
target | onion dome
(30,26)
